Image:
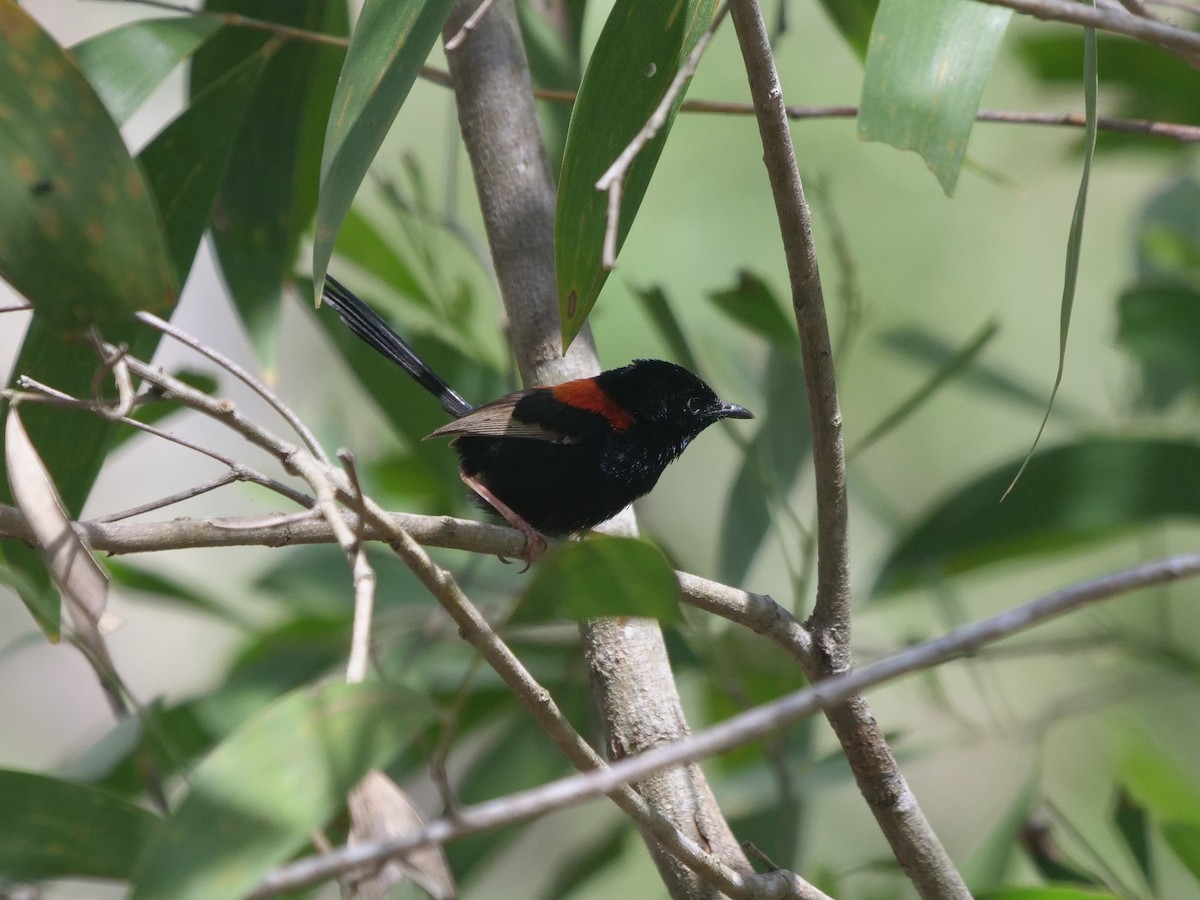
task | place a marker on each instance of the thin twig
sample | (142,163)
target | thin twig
(219,482)
(469,25)
(1115,21)
(739,729)
(309,439)
(114,363)
(240,471)
(614,177)
(364,582)
(912,839)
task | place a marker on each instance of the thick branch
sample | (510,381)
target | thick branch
(627,661)
(913,841)
(745,727)
(758,612)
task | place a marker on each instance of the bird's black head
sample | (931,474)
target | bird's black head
(662,395)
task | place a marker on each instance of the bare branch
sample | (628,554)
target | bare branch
(614,177)
(238,470)
(742,728)
(364,582)
(310,441)
(880,781)
(472,22)
(1112,20)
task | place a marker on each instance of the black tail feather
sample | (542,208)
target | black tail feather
(367,324)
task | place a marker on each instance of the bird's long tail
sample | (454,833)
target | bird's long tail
(367,324)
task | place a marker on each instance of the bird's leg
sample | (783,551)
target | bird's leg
(535,541)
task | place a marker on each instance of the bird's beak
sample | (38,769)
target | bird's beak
(733,411)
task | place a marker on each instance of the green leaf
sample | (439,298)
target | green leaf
(577,869)
(187,160)
(1160,783)
(666,323)
(990,863)
(389,45)
(601,576)
(162,740)
(1075,235)
(1134,827)
(1159,327)
(57,829)
(753,305)
(125,65)
(134,578)
(923,84)
(256,798)
(931,350)
(79,234)
(1184,840)
(637,56)
(771,464)
(950,369)
(1168,234)
(269,191)
(853,19)
(362,243)
(1069,495)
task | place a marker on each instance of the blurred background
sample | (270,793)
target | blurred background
(1064,716)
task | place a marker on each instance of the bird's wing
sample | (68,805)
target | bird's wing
(496,419)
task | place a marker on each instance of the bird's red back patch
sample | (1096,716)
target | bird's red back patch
(585,393)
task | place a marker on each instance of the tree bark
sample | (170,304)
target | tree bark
(627,659)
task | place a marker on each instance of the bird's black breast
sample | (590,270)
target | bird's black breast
(560,488)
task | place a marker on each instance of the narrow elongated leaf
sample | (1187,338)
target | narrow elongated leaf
(126,64)
(753,305)
(257,796)
(57,829)
(636,58)
(1133,826)
(602,576)
(1159,327)
(933,351)
(390,42)
(68,560)
(1059,505)
(853,19)
(988,865)
(927,65)
(1160,783)
(361,242)
(772,463)
(79,234)
(187,160)
(269,191)
(1075,235)
(1184,840)
(914,401)
(666,323)
(1168,233)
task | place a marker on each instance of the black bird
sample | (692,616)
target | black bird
(557,460)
